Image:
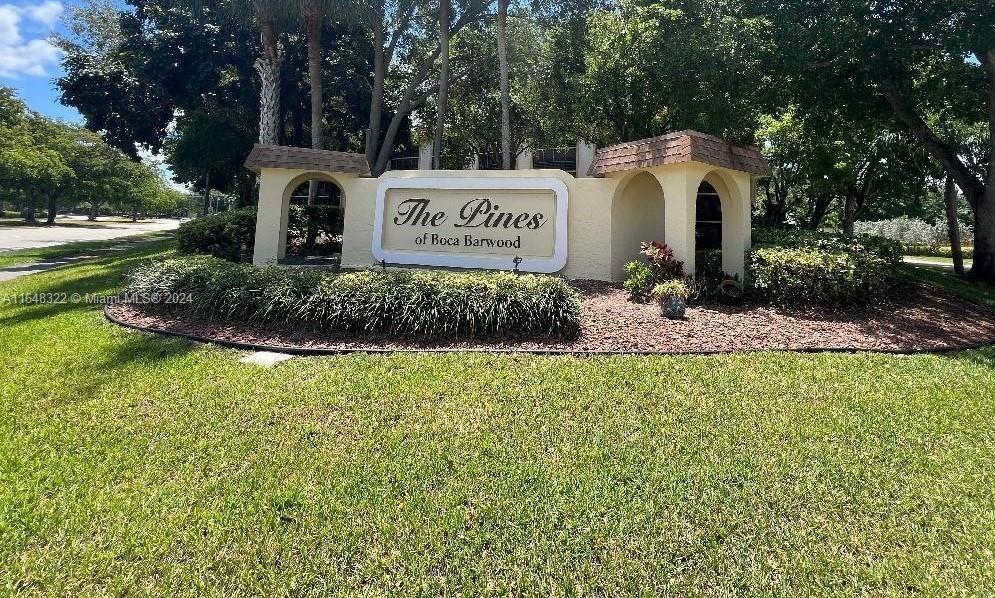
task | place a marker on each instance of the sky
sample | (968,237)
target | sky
(29,62)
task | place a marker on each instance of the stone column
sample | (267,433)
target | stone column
(425,156)
(680,194)
(524,160)
(271,219)
(585,157)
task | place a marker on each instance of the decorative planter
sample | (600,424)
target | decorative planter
(672,307)
(731,292)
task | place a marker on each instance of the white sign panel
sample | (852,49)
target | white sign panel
(472,223)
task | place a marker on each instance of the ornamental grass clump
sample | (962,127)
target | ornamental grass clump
(407,303)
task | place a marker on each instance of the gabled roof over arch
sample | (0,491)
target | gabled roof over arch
(677,148)
(302,158)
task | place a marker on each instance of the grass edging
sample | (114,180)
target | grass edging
(315,351)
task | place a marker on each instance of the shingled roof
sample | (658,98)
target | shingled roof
(302,158)
(676,148)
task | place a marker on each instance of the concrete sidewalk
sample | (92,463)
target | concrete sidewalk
(70,229)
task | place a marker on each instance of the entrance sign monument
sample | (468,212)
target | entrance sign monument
(586,226)
(472,223)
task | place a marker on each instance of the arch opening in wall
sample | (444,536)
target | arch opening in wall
(708,218)
(315,221)
(637,216)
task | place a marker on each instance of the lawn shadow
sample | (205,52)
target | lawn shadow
(78,294)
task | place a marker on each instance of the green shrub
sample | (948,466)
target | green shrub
(410,303)
(229,235)
(793,238)
(327,223)
(800,277)
(662,261)
(671,288)
(639,281)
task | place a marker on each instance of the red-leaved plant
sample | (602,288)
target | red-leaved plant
(662,261)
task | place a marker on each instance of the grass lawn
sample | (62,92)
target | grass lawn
(134,464)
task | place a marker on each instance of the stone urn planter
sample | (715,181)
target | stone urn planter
(672,297)
(672,307)
(731,292)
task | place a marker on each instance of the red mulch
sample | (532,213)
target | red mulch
(920,318)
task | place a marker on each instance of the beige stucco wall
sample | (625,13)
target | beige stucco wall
(605,223)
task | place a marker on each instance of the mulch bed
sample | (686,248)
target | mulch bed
(921,318)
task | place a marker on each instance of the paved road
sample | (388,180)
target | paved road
(76,228)
(933,262)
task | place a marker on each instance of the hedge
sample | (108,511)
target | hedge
(231,235)
(408,303)
(886,249)
(800,277)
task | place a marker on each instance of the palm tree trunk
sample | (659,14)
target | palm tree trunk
(268,66)
(502,42)
(443,99)
(314,22)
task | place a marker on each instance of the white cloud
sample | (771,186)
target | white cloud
(46,13)
(32,57)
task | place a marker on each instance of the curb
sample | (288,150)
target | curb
(305,351)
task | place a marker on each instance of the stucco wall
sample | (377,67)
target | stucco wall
(593,236)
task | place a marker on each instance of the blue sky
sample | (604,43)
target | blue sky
(28,61)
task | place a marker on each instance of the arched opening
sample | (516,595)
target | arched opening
(637,216)
(708,218)
(314,226)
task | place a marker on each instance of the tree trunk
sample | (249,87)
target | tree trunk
(980,195)
(818,209)
(314,22)
(207,193)
(950,197)
(94,210)
(443,98)
(849,212)
(53,208)
(502,42)
(268,67)
(376,96)
(984,212)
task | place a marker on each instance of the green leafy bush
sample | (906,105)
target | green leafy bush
(639,281)
(410,303)
(229,235)
(671,288)
(886,249)
(662,261)
(800,277)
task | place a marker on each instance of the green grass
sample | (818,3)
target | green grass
(134,464)
(36,254)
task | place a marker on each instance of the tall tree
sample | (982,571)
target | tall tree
(502,44)
(442,102)
(395,27)
(926,62)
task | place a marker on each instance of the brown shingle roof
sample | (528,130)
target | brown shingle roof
(675,148)
(302,158)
